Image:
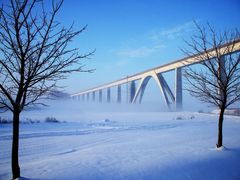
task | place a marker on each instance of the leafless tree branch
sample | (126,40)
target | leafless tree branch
(217,80)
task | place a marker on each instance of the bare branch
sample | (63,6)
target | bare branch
(217,81)
(35,52)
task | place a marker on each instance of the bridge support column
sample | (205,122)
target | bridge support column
(140,90)
(119,96)
(178,89)
(93,96)
(162,84)
(83,97)
(221,75)
(143,87)
(108,95)
(132,91)
(166,91)
(88,97)
(100,96)
(222,69)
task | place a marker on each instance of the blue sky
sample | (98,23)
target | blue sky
(131,36)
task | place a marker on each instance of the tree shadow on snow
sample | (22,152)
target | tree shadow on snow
(218,165)
(24,178)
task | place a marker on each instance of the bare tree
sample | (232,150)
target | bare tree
(34,55)
(217,81)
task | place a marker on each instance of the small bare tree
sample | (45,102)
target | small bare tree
(217,81)
(34,55)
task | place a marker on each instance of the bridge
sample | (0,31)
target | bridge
(172,98)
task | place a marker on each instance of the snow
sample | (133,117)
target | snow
(124,145)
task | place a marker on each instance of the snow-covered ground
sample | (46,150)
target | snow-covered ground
(124,145)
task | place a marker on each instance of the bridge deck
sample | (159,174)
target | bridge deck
(164,68)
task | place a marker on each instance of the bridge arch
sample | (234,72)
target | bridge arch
(156,74)
(163,86)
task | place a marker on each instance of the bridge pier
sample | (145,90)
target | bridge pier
(132,91)
(171,99)
(142,90)
(108,95)
(178,89)
(162,84)
(119,95)
(93,96)
(166,91)
(221,76)
(88,96)
(100,96)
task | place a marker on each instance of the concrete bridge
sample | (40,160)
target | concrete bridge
(172,97)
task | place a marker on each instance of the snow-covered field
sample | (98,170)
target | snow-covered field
(125,145)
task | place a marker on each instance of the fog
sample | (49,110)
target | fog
(75,110)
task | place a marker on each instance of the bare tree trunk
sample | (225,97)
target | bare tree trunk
(220,126)
(15,145)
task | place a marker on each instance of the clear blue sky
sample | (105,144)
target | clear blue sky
(134,35)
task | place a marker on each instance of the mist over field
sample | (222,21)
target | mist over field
(75,110)
(112,141)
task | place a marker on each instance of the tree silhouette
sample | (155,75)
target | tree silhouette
(34,55)
(218,82)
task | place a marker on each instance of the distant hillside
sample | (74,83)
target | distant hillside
(56,94)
